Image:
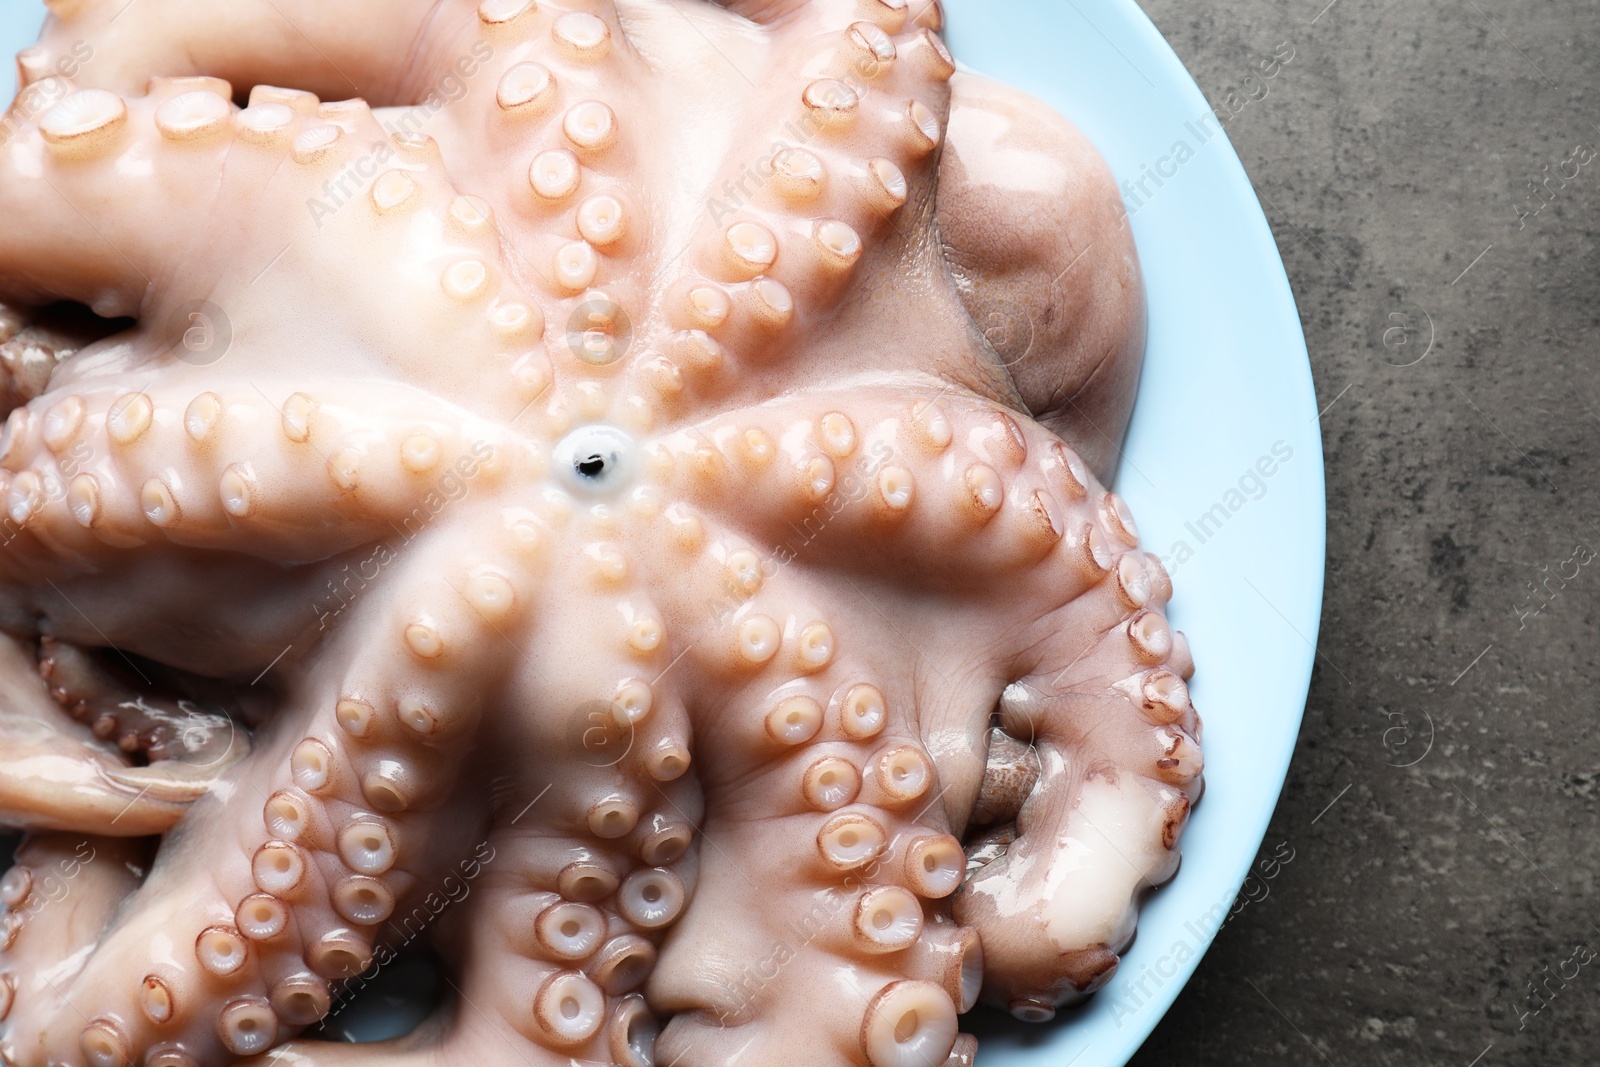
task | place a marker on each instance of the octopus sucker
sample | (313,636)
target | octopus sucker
(622,507)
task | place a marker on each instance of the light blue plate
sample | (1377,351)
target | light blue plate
(19,26)
(1226,381)
(1226,397)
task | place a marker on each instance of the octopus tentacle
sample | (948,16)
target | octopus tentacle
(342,51)
(926,477)
(1116,740)
(1011,770)
(356,815)
(925,13)
(819,790)
(55,774)
(1044,512)
(815,186)
(204,737)
(556,944)
(302,175)
(66,154)
(553,936)
(563,903)
(91,475)
(55,904)
(558,79)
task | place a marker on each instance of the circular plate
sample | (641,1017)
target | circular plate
(19,27)
(1222,468)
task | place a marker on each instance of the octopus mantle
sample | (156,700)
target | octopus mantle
(609,490)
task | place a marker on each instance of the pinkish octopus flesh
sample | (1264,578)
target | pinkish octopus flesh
(609,490)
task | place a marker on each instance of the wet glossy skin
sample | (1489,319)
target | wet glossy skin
(609,488)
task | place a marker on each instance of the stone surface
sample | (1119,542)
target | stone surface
(1394,148)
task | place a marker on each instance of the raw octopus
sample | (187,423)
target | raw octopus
(611,490)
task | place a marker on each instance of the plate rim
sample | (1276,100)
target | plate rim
(1262,245)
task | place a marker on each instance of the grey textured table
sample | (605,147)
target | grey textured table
(1440,913)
